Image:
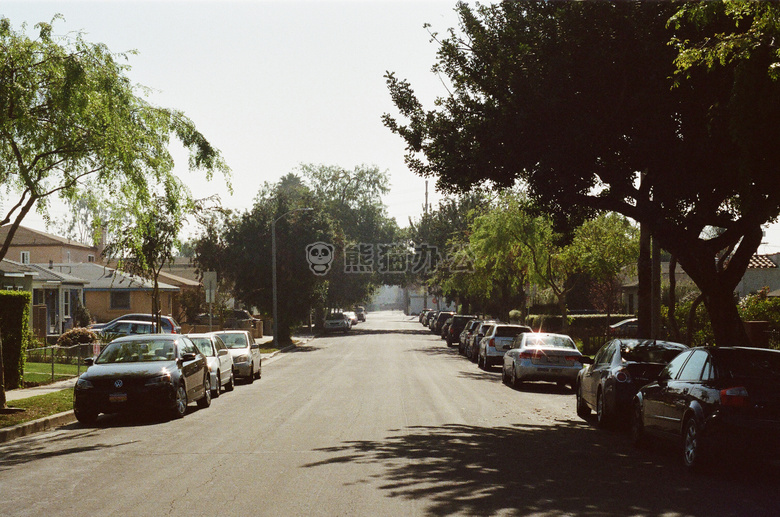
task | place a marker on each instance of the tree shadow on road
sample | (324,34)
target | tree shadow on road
(568,468)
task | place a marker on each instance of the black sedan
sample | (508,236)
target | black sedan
(616,373)
(714,399)
(155,371)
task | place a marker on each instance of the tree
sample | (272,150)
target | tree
(73,124)
(663,112)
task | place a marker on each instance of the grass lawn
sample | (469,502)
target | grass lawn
(38,407)
(40,373)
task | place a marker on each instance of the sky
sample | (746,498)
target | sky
(275,84)
(271,84)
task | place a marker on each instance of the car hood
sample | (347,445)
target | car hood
(145,369)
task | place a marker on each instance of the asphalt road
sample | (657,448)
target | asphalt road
(384,421)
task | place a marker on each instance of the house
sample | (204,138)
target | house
(109,293)
(36,247)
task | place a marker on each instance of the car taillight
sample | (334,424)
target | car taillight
(734,397)
(572,358)
(622,376)
(492,343)
(526,355)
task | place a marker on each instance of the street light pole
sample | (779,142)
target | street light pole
(273,270)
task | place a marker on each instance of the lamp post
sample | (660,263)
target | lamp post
(273,269)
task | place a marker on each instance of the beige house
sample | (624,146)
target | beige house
(35,247)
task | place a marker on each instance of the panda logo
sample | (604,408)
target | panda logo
(319,255)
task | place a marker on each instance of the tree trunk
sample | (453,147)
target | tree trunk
(724,317)
(563,311)
(644,273)
(2,377)
(671,316)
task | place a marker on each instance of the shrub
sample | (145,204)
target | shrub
(15,330)
(77,336)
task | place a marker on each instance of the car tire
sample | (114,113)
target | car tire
(205,400)
(514,382)
(504,376)
(638,437)
(215,389)
(231,383)
(602,415)
(259,371)
(85,417)
(251,377)
(692,450)
(583,410)
(180,402)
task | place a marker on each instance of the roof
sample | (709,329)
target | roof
(10,268)
(761,262)
(179,281)
(49,275)
(103,278)
(28,237)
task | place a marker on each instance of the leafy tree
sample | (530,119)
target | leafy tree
(73,125)
(663,112)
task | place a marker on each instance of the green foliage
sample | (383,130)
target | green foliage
(81,316)
(15,335)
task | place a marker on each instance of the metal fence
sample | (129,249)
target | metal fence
(70,355)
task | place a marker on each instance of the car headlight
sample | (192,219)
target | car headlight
(241,358)
(163,378)
(83,384)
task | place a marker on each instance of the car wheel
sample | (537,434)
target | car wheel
(180,404)
(230,383)
(259,369)
(205,400)
(602,417)
(85,417)
(692,444)
(583,411)
(504,376)
(638,437)
(215,389)
(251,377)
(513,380)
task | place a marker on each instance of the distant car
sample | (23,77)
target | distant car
(219,360)
(423,315)
(541,356)
(159,371)
(169,325)
(247,362)
(472,347)
(125,328)
(609,382)
(496,342)
(352,317)
(361,313)
(625,328)
(337,321)
(441,318)
(465,334)
(459,321)
(708,400)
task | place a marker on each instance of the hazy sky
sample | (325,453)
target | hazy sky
(276,84)
(272,84)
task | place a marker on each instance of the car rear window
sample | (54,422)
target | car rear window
(746,363)
(650,352)
(506,331)
(536,341)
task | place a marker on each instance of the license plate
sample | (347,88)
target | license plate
(117,397)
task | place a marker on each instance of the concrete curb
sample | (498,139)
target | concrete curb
(50,422)
(35,426)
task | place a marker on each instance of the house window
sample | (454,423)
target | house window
(38,298)
(120,299)
(66,303)
(90,258)
(25,258)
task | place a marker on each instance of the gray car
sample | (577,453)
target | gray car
(247,362)
(219,360)
(539,356)
(496,342)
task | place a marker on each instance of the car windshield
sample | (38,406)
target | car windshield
(234,340)
(509,331)
(749,364)
(335,316)
(537,341)
(136,352)
(204,345)
(650,352)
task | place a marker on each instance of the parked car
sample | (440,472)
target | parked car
(624,328)
(465,334)
(353,319)
(441,317)
(496,342)
(708,400)
(455,327)
(361,313)
(472,346)
(168,324)
(429,320)
(160,371)
(247,362)
(125,328)
(541,356)
(423,315)
(609,382)
(219,361)
(337,321)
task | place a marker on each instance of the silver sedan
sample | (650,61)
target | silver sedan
(537,356)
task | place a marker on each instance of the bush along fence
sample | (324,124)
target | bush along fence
(14,335)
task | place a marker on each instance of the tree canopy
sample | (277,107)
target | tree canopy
(664,112)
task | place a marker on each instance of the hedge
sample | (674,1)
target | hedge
(15,333)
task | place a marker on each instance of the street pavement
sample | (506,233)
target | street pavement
(386,420)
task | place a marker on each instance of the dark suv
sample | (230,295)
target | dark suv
(456,327)
(440,319)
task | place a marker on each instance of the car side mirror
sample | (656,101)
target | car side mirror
(255,347)
(223,351)
(89,361)
(189,356)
